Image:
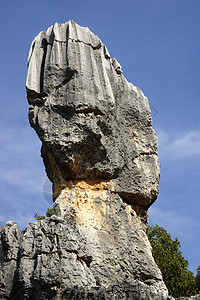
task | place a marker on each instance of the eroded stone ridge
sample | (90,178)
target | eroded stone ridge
(57,258)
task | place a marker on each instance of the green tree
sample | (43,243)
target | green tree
(197,278)
(174,267)
(49,213)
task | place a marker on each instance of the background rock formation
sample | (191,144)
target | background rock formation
(100,152)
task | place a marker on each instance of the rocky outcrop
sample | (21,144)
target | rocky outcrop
(52,259)
(91,121)
(56,259)
(10,240)
(100,152)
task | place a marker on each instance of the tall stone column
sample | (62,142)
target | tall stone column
(100,153)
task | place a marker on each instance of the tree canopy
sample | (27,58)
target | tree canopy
(197,279)
(174,267)
(49,213)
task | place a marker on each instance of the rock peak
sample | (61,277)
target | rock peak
(100,153)
(91,121)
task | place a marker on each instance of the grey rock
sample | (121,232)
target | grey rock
(57,259)
(10,237)
(100,153)
(91,121)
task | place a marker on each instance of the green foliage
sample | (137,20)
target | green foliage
(197,278)
(178,279)
(49,213)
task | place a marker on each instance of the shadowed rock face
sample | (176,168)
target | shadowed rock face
(91,121)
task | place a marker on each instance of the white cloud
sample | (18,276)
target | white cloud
(175,222)
(185,146)
(22,175)
(182,226)
(21,165)
(19,218)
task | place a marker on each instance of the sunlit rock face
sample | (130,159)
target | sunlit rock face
(91,121)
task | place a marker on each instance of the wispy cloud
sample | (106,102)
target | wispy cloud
(22,175)
(186,145)
(182,226)
(20,159)
(19,218)
(175,222)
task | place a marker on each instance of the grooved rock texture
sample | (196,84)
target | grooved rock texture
(58,259)
(91,121)
(100,153)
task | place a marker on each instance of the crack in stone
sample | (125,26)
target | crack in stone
(79,41)
(145,154)
(83,259)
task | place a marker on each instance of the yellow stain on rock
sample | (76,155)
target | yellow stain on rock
(90,200)
(88,197)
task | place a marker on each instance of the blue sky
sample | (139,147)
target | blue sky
(157,42)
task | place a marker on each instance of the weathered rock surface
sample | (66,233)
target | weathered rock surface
(100,152)
(10,239)
(56,259)
(91,121)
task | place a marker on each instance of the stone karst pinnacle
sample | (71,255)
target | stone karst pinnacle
(93,124)
(100,153)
